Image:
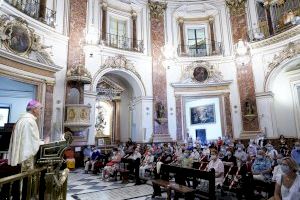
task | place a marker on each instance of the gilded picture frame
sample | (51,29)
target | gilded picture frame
(204,114)
(20,38)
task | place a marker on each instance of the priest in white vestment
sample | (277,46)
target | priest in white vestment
(25,139)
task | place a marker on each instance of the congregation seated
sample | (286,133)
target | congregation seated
(288,184)
(218,166)
(112,166)
(147,163)
(262,167)
(229,159)
(295,154)
(92,161)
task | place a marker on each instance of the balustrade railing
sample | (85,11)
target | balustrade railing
(26,185)
(35,10)
(122,42)
(206,48)
(284,17)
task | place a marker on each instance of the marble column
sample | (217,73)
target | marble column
(178,101)
(228,114)
(134,38)
(104,17)
(182,45)
(244,71)
(212,34)
(48,110)
(76,56)
(157,12)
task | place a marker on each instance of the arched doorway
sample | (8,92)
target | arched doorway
(118,106)
(284,84)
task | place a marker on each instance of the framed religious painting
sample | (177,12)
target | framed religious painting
(4,115)
(19,38)
(204,114)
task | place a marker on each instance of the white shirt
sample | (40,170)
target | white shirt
(25,140)
(292,193)
(277,172)
(219,167)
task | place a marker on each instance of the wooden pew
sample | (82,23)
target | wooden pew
(181,175)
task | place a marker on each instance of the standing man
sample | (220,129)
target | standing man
(25,139)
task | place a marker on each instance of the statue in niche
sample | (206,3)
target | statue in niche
(160,110)
(249,108)
(100,121)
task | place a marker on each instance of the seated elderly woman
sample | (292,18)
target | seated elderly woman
(218,165)
(262,167)
(147,162)
(112,165)
(288,184)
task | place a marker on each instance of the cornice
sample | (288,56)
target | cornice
(197,85)
(276,38)
(26,61)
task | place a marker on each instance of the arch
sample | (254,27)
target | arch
(277,69)
(132,78)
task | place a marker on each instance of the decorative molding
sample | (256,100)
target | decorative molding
(18,38)
(80,74)
(120,62)
(213,74)
(291,50)
(236,6)
(276,38)
(157,9)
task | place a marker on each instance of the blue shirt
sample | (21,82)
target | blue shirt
(95,154)
(260,165)
(295,154)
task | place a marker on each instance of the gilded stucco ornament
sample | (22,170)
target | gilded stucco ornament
(210,74)
(157,9)
(79,73)
(120,62)
(290,51)
(18,38)
(236,6)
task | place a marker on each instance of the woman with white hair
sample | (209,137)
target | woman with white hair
(146,163)
(288,185)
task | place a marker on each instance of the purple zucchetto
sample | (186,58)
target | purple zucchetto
(33,104)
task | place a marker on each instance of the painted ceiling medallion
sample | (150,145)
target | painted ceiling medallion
(18,38)
(201,72)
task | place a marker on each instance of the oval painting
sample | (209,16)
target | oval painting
(200,74)
(19,39)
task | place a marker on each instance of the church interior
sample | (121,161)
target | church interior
(151,99)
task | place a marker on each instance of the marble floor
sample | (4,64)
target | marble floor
(89,186)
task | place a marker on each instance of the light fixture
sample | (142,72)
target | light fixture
(168,51)
(242,53)
(241,47)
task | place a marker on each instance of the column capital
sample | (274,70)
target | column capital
(211,19)
(133,15)
(104,5)
(180,20)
